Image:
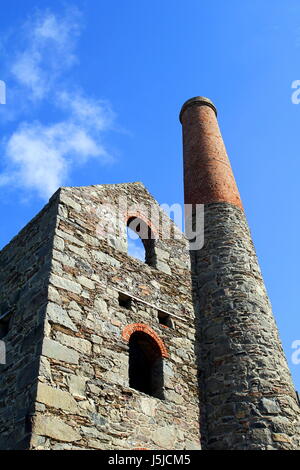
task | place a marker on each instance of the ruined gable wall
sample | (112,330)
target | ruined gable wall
(84,399)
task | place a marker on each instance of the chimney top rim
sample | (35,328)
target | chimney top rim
(198,101)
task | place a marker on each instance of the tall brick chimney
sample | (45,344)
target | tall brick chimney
(247,397)
(208,175)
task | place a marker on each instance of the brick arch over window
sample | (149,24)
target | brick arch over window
(129,216)
(134,327)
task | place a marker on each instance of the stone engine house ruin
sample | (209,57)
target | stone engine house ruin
(104,351)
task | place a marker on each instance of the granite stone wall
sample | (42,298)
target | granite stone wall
(248,400)
(83,395)
(24,275)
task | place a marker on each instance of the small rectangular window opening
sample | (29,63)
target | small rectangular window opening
(165,319)
(125,301)
(4,324)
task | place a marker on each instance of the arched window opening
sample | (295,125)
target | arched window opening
(136,247)
(140,241)
(145,365)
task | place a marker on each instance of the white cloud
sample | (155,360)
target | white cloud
(47,52)
(35,160)
(39,157)
(93,113)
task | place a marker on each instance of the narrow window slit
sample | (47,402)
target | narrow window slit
(165,319)
(125,301)
(4,324)
(141,241)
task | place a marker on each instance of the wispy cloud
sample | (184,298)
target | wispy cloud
(37,156)
(93,113)
(40,157)
(48,51)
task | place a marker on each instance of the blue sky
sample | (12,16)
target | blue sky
(94,90)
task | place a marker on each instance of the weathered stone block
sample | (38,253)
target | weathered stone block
(104,258)
(56,398)
(81,345)
(163,267)
(270,406)
(84,281)
(55,350)
(55,428)
(164,437)
(148,406)
(59,243)
(66,284)
(77,385)
(70,202)
(58,315)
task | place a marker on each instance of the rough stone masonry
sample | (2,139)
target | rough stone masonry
(104,351)
(66,381)
(247,397)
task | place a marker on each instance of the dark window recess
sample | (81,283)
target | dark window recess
(4,324)
(28,423)
(165,319)
(145,365)
(125,301)
(146,236)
